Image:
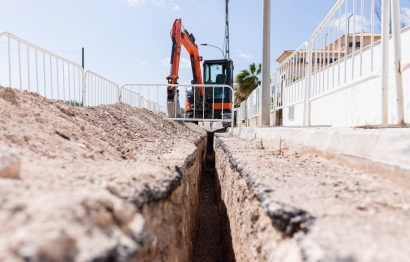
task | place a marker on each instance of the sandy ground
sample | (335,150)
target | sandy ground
(336,213)
(83,174)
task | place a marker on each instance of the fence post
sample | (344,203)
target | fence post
(119,90)
(306,103)
(274,99)
(84,86)
(385,59)
(397,61)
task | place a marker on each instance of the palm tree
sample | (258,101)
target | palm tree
(246,81)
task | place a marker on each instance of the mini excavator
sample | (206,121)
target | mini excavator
(200,101)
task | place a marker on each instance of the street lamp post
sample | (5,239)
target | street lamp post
(215,47)
(348,25)
(265,83)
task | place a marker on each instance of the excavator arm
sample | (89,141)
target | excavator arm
(181,37)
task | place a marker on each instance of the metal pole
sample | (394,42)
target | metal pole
(397,59)
(308,79)
(83,78)
(227,53)
(82,58)
(264,95)
(8,48)
(385,60)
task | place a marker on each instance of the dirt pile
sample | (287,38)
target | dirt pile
(84,174)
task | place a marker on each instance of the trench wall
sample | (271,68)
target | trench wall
(254,238)
(171,223)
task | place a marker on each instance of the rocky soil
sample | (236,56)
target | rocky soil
(323,211)
(73,180)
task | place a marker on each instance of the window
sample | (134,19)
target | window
(351,44)
(211,71)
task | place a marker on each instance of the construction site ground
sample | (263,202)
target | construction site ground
(85,174)
(116,183)
(325,211)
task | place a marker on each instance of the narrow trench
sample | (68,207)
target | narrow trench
(213,242)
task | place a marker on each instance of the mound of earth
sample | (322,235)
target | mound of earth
(72,179)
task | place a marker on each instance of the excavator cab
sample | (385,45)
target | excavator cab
(218,100)
(218,72)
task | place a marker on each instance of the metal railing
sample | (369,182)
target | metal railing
(241,115)
(289,79)
(253,103)
(214,105)
(342,50)
(32,68)
(35,69)
(153,97)
(249,108)
(145,96)
(99,90)
(349,48)
(130,97)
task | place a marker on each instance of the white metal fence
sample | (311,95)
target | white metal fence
(99,90)
(337,49)
(349,49)
(26,66)
(29,67)
(149,96)
(214,98)
(289,81)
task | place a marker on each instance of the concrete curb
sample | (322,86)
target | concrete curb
(382,151)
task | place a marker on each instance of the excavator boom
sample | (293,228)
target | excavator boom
(181,37)
(216,102)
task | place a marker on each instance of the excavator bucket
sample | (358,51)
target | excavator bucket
(173,109)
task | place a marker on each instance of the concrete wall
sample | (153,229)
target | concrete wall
(379,151)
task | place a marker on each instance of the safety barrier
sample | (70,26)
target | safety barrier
(129,95)
(35,69)
(214,108)
(32,68)
(136,100)
(253,103)
(153,96)
(337,50)
(289,79)
(99,90)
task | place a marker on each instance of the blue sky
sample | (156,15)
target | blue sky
(128,41)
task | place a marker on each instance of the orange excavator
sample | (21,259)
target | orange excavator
(200,101)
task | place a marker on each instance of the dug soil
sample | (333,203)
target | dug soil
(208,243)
(83,175)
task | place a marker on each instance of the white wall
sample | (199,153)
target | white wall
(361,104)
